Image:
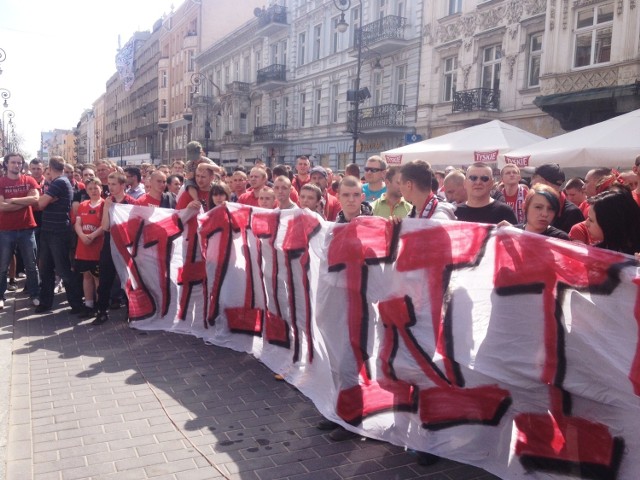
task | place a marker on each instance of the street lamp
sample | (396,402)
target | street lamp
(196,81)
(3,56)
(4,93)
(7,114)
(357,95)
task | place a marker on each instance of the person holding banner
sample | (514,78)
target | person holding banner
(204,176)
(350,198)
(310,196)
(541,206)
(614,220)
(480,207)
(551,174)
(108,274)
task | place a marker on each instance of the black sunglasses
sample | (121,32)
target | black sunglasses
(373,170)
(483,178)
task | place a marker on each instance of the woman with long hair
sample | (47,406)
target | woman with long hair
(614,220)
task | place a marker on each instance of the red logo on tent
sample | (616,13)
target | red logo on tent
(486,156)
(518,161)
(393,159)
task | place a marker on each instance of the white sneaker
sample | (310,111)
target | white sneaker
(59,287)
(1,304)
(35,301)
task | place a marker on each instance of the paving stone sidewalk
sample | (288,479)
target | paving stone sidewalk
(111,402)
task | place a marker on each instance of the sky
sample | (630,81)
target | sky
(60,54)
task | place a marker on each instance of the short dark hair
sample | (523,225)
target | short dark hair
(352,169)
(420,173)
(56,163)
(134,171)
(391,172)
(575,182)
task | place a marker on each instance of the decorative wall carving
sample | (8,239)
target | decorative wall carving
(466,69)
(565,13)
(511,12)
(512,30)
(620,7)
(575,82)
(632,4)
(468,42)
(552,17)
(428,39)
(511,61)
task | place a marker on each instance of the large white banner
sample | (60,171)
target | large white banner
(495,347)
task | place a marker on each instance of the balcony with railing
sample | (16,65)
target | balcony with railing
(271,20)
(385,35)
(274,133)
(381,118)
(238,87)
(271,77)
(235,139)
(476,99)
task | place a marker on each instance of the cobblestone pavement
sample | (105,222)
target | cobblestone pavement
(112,402)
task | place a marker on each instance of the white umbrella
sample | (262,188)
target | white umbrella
(614,143)
(478,143)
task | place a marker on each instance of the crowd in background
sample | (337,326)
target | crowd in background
(54,221)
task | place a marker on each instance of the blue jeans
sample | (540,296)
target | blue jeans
(26,242)
(54,259)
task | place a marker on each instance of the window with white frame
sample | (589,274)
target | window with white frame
(274,54)
(401,8)
(355,24)
(302,47)
(163,79)
(491,58)
(335,35)
(401,84)
(450,78)
(317,42)
(285,110)
(163,108)
(335,102)
(377,88)
(274,111)
(257,111)
(455,6)
(191,67)
(318,106)
(594,27)
(535,57)
(303,109)
(258,59)
(246,67)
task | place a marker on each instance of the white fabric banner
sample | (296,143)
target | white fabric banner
(510,351)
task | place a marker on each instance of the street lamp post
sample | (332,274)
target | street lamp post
(357,97)
(7,114)
(5,94)
(196,80)
(3,56)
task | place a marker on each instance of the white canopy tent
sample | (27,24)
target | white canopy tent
(614,143)
(478,143)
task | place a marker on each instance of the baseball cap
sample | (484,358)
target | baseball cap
(318,169)
(551,172)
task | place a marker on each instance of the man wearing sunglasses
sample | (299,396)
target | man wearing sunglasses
(480,207)
(374,172)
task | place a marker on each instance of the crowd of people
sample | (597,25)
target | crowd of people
(54,225)
(54,221)
(54,218)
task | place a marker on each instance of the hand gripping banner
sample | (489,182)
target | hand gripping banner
(514,352)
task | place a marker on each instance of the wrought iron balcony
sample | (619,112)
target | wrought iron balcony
(476,99)
(385,33)
(272,73)
(238,87)
(236,139)
(270,133)
(384,116)
(273,14)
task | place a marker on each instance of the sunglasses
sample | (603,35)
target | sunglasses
(373,170)
(483,178)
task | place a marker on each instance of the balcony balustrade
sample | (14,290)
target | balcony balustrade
(476,99)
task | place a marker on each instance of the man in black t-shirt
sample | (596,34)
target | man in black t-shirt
(480,207)
(55,240)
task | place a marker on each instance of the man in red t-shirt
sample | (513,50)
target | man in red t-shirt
(303,165)
(257,180)
(204,176)
(514,192)
(18,193)
(156,195)
(329,204)
(636,170)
